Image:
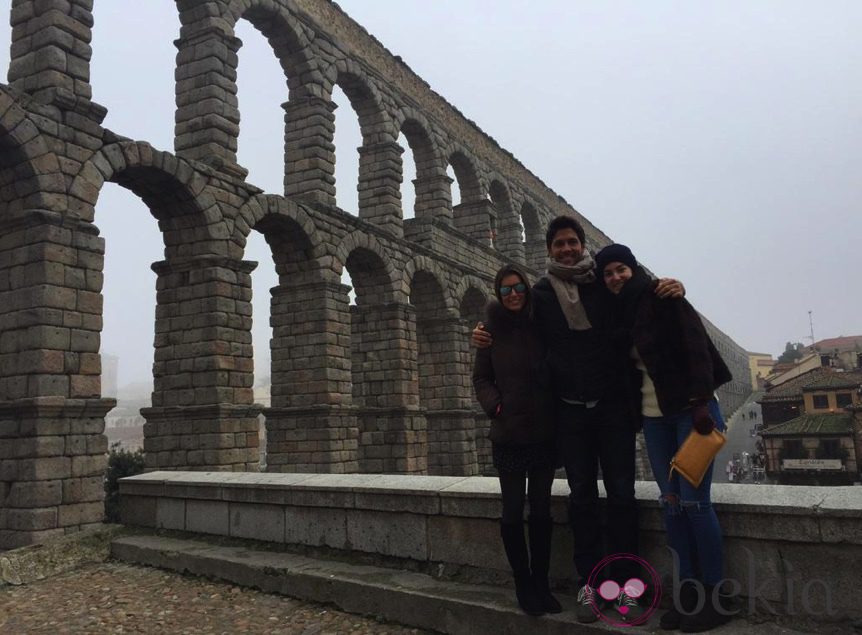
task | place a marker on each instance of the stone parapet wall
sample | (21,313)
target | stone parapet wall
(789,550)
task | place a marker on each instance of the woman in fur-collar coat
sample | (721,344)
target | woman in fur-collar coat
(511,386)
(680,369)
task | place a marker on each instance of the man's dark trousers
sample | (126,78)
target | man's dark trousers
(589,437)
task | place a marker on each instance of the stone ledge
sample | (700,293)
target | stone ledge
(783,544)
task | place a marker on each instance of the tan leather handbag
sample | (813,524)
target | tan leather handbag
(695,455)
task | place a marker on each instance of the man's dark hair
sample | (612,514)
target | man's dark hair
(564,222)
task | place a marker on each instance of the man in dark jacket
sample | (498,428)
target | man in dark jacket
(588,363)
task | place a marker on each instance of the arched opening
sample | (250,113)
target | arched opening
(286,315)
(384,374)
(455,187)
(440,342)
(5,44)
(472,213)
(472,311)
(408,178)
(433,198)
(133,243)
(426,296)
(370,284)
(359,120)
(507,231)
(261,89)
(347,141)
(472,307)
(469,188)
(263,279)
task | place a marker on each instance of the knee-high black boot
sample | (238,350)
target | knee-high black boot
(519,560)
(541,530)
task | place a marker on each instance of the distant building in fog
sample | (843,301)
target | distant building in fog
(760,365)
(110,371)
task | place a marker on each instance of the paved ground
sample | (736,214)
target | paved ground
(117,598)
(739,440)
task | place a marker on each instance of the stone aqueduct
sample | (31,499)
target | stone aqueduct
(380,386)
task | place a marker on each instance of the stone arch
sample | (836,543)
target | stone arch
(290,232)
(377,172)
(464,167)
(365,99)
(208,116)
(435,276)
(392,434)
(203,303)
(474,215)
(433,185)
(443,362)
(288,40)
(30,176)
(472,295)
(370,269)
(174,191)
(418,132)
(507,234)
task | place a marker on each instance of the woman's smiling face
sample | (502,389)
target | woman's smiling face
(616,274)
(513,300)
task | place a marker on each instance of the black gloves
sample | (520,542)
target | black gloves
(701,419)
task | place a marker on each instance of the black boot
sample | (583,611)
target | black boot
(709,616)
(516,552)
(541,530)
(687,602)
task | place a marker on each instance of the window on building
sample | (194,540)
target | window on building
(843,399)
(793,449)
(829,449)
(821,402)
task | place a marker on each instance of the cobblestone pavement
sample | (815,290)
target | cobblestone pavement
(118,598)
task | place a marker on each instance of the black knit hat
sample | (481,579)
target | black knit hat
(614,253)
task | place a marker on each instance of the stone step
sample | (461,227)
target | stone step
(404,597)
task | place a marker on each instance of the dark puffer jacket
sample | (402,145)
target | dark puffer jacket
(511,374)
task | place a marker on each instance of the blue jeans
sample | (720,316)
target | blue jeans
(692,527)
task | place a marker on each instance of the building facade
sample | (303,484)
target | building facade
(818,446)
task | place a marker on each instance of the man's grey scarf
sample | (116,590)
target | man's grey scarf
(564,281)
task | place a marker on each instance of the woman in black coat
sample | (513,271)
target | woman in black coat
(680,369)
(511,388)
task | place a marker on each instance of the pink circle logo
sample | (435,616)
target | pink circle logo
(629,600)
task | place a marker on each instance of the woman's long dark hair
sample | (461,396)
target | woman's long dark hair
(626,301)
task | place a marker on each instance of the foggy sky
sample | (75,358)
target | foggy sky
(722,141)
